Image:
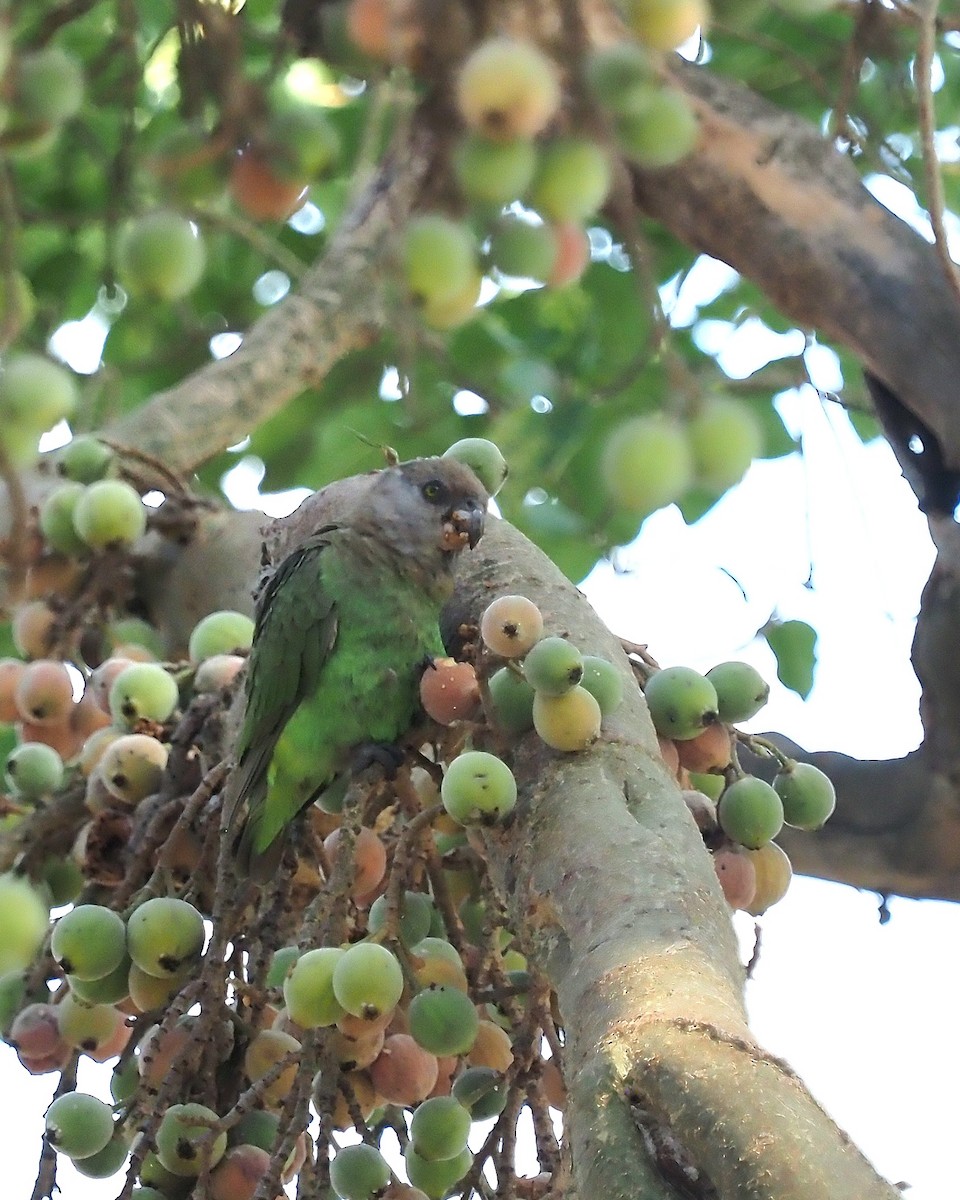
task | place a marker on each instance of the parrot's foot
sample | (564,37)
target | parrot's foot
(386,755)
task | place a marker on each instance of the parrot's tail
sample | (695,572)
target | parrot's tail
(253,862)
(241,829)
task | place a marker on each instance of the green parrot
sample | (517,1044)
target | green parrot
(341,625)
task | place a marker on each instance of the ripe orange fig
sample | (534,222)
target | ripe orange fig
(369,858)
(737,875)
(708,751)
(11,669)
(670,754)
(404,1073)
(384,29)
(33,627)
(449,690)
(774,872)
(260,192)
(44,693)
(573,254)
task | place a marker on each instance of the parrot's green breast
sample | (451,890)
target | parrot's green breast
(344,621)
(366,689)
(368,693)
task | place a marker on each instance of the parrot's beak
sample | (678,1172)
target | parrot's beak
(462,525)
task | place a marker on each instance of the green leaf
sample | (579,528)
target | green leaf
(483,352)
(561,534)
(67,279)
(794,643)
(866,425)
(696,502)
(591,330)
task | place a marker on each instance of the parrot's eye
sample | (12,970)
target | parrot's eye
(432,491)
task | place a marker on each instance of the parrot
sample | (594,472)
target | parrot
(341,625)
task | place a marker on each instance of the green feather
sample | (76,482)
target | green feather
(341,627)
(295,630)
(333,666)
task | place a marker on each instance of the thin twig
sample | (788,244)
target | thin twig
(923,71)
(13,316)
(249,232)
(173,481)
(854,55)
(14,547)
(46,1183)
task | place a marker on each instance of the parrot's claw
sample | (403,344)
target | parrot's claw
(386,755)
(424,664)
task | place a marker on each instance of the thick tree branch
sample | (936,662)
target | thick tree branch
(897,825)
(341,304)
(766,193)
(896,829)
(605,871)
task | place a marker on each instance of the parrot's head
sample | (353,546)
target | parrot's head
(430,505)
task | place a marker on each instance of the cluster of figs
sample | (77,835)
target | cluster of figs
(424,992)
(738,813)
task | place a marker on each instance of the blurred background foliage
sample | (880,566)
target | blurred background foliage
(547,374)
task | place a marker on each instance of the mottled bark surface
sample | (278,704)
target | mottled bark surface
(766,193)
(605,871)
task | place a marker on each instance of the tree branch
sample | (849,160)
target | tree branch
(763,190)
(766,193)
(604,869)
(926,114)
(896,829)
(340,305)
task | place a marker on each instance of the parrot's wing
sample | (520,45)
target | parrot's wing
(296,627)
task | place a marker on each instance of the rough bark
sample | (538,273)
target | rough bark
(767,194)
(605,871)
(341,304)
